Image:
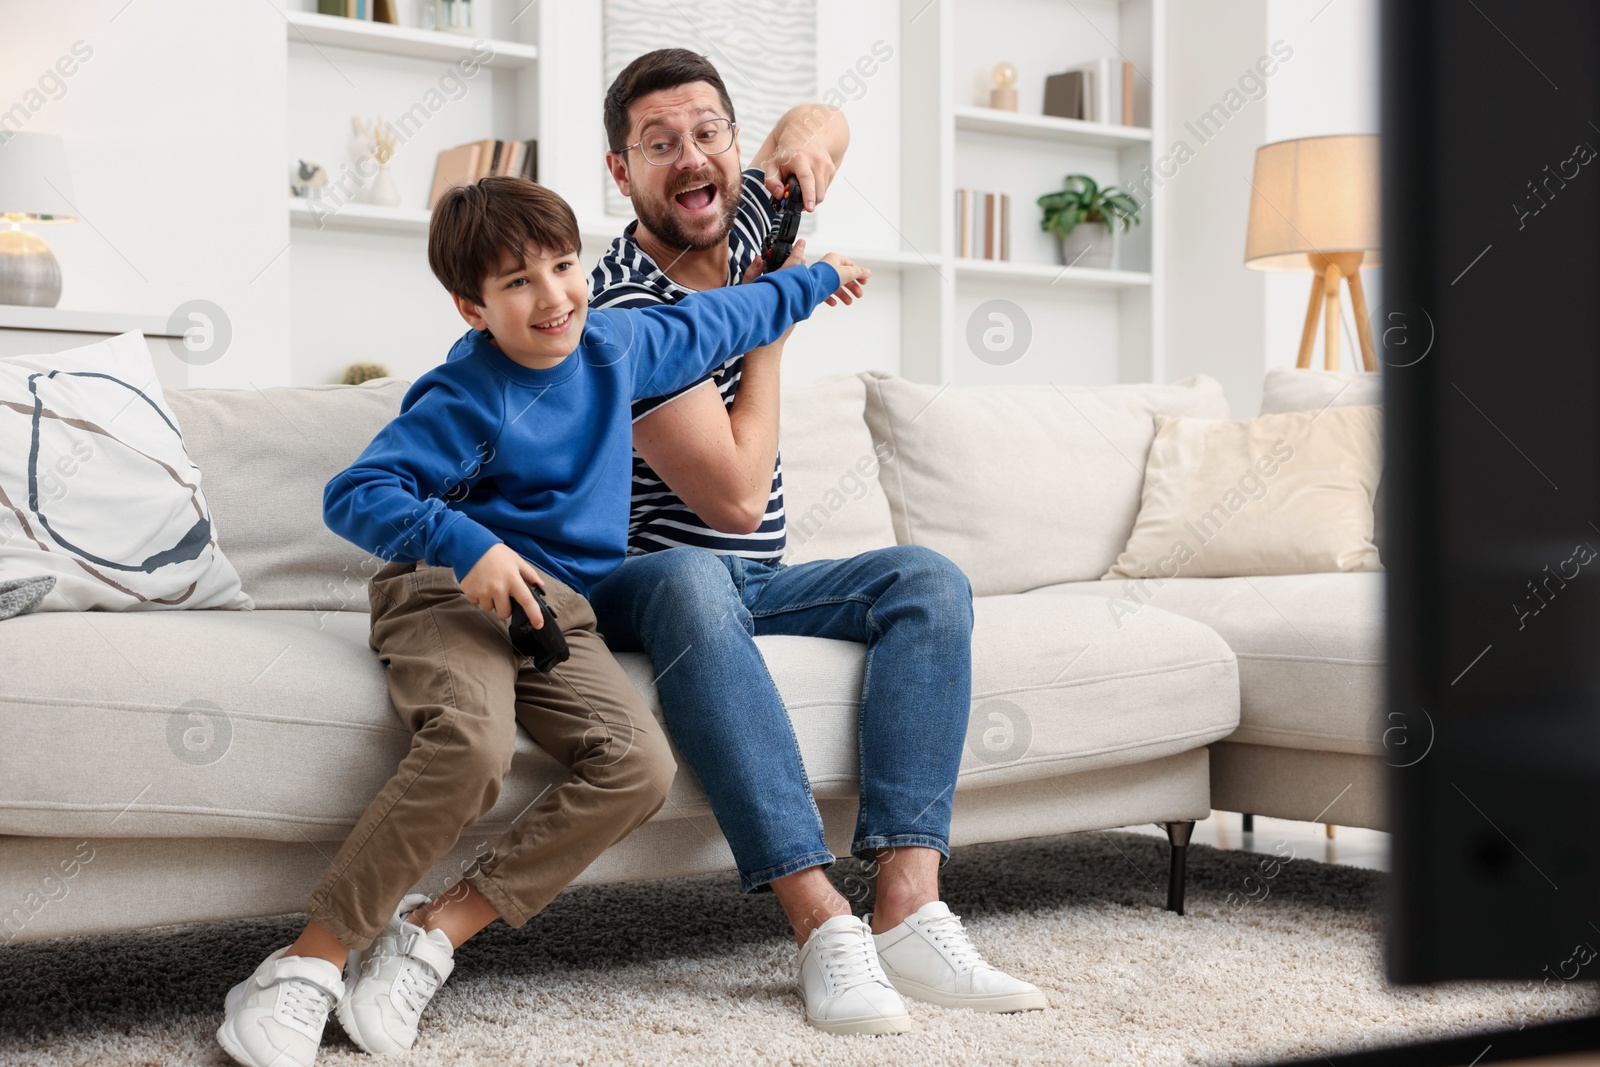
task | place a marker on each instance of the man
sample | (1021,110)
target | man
(703,577)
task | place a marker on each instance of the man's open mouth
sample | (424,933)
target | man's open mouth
(697,199)
(554,325)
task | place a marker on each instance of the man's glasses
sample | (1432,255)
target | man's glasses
(664,147)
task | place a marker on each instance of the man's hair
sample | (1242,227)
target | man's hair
(665,68)
(475,227)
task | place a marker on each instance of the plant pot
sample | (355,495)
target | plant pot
(1090,244)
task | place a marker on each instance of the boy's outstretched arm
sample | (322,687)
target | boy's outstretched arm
(674,345)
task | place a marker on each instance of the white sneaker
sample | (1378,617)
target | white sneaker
(275,1017)
(388,985)
(844,988)
(929,957)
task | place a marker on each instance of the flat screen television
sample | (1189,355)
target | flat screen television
(1490,332)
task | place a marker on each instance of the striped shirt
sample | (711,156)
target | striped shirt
(626,277)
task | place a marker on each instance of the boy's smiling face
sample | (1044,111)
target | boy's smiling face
(534,307)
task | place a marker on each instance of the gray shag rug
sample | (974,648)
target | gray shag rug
(690,971)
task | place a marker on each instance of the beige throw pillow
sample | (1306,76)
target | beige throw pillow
(1278,494)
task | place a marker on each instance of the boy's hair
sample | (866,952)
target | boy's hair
(475,227)
(665,68)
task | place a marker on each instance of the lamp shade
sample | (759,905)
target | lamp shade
(34,181)
(1313,195)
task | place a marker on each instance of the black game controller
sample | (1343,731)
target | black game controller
(546,645)
(779,244)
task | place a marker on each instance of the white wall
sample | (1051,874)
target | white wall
(176,171)
(1222,318)
(1330,87)
(1215,309)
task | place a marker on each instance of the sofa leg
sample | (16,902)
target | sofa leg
(1248,823)
(1177,833)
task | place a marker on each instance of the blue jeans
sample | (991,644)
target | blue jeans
(697,615)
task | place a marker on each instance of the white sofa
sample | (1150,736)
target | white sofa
(170,766)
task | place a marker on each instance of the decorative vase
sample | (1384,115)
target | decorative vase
(1090,244)
(383,191)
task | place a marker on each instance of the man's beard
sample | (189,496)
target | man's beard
(658,216)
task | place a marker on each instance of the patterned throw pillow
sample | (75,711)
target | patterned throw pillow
(97,489)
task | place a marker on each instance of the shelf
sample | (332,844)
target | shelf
(367,218)
(312,28)
(71,320)
(596,234)
(1051,274)
(1049,128)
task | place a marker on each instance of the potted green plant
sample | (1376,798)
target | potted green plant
(1084,201)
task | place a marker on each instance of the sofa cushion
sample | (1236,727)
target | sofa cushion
(1310,649)
(1276,494)
(1293,389)
(277,724)
(97,491)
(832,495)
(1024,485)
(267,454)
(1296,389)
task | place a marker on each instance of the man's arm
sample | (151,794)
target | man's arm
(808,142)
(719,458)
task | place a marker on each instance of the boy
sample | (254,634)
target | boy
(509,464)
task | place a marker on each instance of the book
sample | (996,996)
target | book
(384,11)
(1004,242)
(1127,94)
(330,7)
(1105,94)
(964,223)
(485,158)
(530,163)
(991,215)
(1066,95)
(455,166)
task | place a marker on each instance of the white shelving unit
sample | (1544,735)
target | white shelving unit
(1051,274)
(312,28)
(1089,325)
(545,81)
(1048,128)
(368,218)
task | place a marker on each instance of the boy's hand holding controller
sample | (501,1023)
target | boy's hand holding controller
(500,579)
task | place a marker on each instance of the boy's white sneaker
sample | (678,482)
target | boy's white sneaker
(845,990)
(390,983)
(275,1017)
(929,957)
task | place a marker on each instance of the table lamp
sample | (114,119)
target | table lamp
(34,188)
(1314,204)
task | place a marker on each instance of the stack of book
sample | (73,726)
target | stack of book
(1091,92)
(466,163)
(983,224)
(370,10)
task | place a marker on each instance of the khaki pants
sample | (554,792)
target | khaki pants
(461,689)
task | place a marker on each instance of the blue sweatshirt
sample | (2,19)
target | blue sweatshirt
(485,450)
